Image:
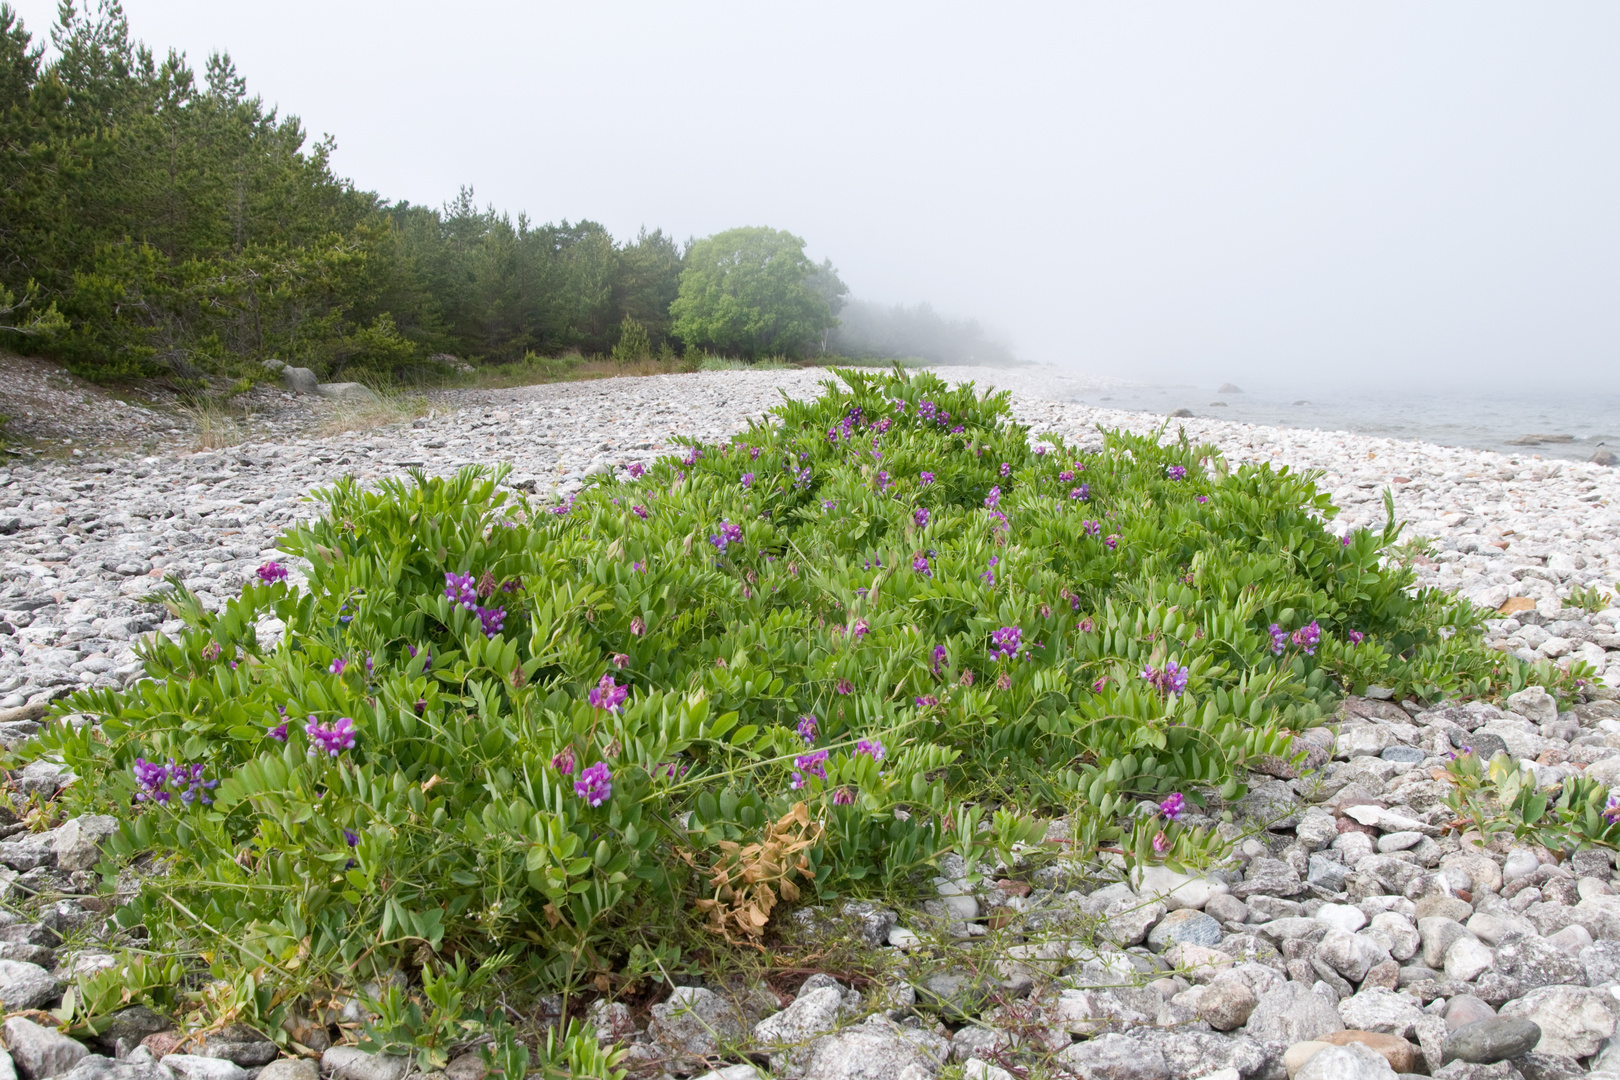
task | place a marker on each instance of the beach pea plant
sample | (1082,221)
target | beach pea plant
(805,662)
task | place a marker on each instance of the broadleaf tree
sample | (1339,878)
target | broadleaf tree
(752,292)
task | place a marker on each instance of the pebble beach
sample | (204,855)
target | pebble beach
(83,539)
(1355,933)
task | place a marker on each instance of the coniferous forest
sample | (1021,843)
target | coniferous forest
(157,220)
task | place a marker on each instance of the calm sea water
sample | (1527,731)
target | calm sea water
(1573,422)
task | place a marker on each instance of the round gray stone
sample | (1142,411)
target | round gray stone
(1403,755)
(1497,1038)
(1184,927)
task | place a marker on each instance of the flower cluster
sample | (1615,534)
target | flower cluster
(993,499)
(331,739)
(1174,806)
(807,728)
(162,783)
(872,748)
(595,784)
(1307,637)
(1355,637)
(1081,493)
(635,469)
(1279,639)
(728,534)
(1006,642)
(461,589)
(272,572)
(1170,679)
(492,620)
(1176,472)
(919,563)
(607,695)
(813,763)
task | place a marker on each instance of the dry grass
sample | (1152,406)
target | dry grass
(339,417)
(216,424)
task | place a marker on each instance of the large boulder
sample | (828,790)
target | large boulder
(40,1052)
(1353,1061)
(1292,1013)
(1115,1057)
(695,1022)
(877,1050)
(27,986)
(1574,1020)
(300,380)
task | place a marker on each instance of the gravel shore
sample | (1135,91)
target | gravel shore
(1355,932)
(82,540)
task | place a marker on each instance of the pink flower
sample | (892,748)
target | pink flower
(564,761)
(638,627)
(1161,844)
(606,695)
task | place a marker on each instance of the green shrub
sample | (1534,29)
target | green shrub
(434,761)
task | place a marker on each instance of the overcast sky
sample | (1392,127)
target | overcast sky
(1378,191)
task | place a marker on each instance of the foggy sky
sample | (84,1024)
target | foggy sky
(1380,192)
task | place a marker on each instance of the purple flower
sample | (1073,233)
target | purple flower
(1202,498)
(351,838)
(860,629)
(1006,642)
(564,762)
(692,454)
(958,429)
(844,686)
(1161,843)
(939,657)
(330,739)
(813,763)
(829,504)
(920,517)
(427,655)
(620,660)
(843,796)
(278,733)
(883,482)
(1174,806)
(160,783)
(1091,528)
(638,626)
(919,563)
(1006,470)
(1279,639)
(926,701)
(1306,638)
(1172,679)
(728,534)
(989,575)
(492,620)
(460,589)
(1086,625)
(1111,541)
(1081,493)
(1611,812)
(872,748)
(1355,637)
(994,498)
(272,572)
(635,469)
(337,666)
(607,695)
(926,478)
(1345,539)
(640,511)
(1176,472)
(747,479)
(595,784)
(1065,476)
(807,728)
